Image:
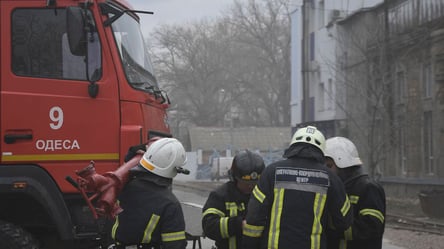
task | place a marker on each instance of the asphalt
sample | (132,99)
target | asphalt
(201,186)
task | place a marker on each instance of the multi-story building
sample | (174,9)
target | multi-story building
(314,69)
(385,64)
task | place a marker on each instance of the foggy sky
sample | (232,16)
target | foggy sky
(177,11)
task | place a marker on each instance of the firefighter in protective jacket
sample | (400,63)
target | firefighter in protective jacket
(295,197)
(152,216)
(366,196)
(225,208)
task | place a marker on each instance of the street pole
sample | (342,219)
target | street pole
(231,132)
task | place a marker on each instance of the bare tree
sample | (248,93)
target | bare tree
(262,30)
(192,64)
(238,63)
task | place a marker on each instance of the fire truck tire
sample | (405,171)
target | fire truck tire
(14,237)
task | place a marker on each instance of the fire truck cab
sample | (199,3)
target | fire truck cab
(76,84)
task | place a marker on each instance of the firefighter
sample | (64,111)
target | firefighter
(225,208)
(296,197)
(366,196)
(152,216)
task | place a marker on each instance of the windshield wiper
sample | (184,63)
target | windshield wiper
(154,90)
(108,9)
(159,94)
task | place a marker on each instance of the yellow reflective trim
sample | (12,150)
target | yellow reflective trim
(252,176)
(346,207)
(232,208)
(275,219)
(213,211)
(232,242)
(258,194)
(223,226)
(247,177)
(150,228)
(342,244)
(147,165)
(318,209)
(60,157)
(241,208)
(373,212)
(252,231)
(114,229)
(168,237)
(348,234)
(354,199)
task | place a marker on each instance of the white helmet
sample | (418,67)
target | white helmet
(163,157)
(310,135)
(342,151)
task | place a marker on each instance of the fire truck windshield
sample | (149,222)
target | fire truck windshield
(133,53)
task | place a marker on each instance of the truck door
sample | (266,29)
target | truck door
(48,115)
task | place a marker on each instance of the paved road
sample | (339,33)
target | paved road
(192,201)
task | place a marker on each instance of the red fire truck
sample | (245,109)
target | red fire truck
(77,85)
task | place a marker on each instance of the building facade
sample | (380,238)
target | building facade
(385,64)
(314,71)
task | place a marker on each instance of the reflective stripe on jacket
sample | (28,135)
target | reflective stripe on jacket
(291,204)
(151,215)
(222,216)
(368,201)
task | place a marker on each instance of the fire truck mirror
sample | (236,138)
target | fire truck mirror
(75,22)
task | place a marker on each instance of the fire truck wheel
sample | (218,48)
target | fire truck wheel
(14,237)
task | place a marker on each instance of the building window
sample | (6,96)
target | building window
(330,96)
(321,96)
(312,4)
(400,87)
(312,46)
(427,80)
(402,152)
(311,109)
(321,14)
(428,143)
